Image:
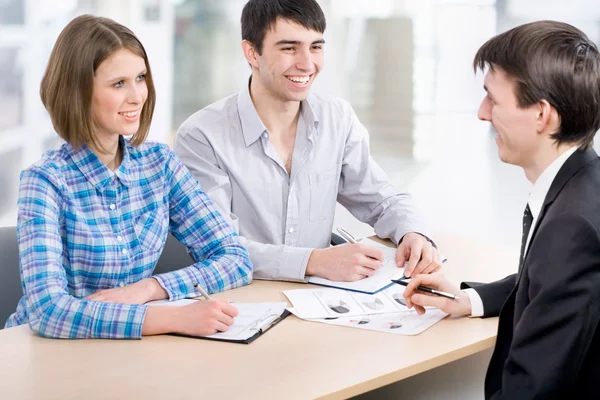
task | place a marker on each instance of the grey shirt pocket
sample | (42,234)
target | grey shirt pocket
(323,193)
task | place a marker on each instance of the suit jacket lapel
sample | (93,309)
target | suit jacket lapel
(577,161)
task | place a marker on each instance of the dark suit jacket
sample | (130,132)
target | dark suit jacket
(548,344)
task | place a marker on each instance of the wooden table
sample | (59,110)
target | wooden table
(295,360)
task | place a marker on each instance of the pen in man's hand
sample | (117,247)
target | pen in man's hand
(346,235)
(202,291)
(429,290)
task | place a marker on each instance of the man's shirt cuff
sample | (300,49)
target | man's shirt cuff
(476,303)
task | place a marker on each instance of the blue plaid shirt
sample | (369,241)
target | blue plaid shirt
(83,228)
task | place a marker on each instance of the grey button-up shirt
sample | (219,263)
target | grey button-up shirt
(281,218)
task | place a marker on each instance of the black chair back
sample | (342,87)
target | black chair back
(174,256)
(10,278)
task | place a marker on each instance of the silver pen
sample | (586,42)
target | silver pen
(202,291)
(346,235)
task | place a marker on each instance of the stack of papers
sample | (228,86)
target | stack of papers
(404,323)
(385,311)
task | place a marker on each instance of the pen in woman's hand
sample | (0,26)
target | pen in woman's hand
(202,291)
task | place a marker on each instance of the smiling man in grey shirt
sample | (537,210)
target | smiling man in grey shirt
(275,159)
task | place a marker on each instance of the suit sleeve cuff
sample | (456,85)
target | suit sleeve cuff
(476,303)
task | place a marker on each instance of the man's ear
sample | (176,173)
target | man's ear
(547,117)
(250,53)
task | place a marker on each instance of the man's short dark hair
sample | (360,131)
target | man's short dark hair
(551,61)
(259,16)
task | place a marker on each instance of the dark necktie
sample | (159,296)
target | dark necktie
(527,220)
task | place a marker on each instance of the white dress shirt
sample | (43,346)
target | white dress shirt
(536,201)
(281,218)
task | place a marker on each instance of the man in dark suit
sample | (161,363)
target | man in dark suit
(543,95)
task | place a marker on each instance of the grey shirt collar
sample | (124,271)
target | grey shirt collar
(252,126)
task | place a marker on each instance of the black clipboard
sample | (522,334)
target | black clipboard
(249,340)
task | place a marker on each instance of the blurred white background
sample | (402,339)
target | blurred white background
(405,65)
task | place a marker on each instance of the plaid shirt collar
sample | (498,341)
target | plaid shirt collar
(98,174)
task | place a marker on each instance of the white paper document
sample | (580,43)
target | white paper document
(251,319)
(385,311)
(402,323)
(380,280)
(333,303)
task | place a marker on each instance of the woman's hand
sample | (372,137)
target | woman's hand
(203,317)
